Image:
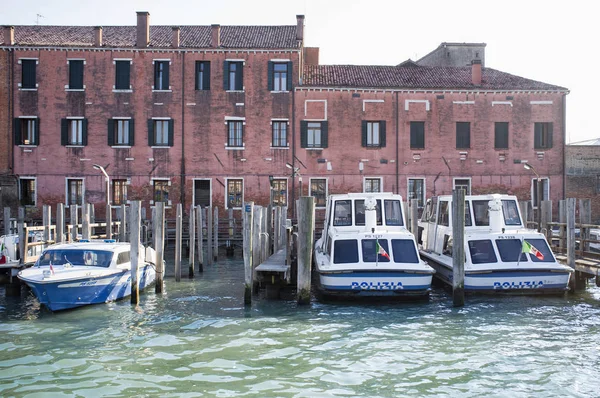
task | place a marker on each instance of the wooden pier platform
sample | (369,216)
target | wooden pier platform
(274,273)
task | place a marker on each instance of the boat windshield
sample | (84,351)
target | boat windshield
(93,258)
(511,212)
(345,251)
(404,251)
(342,213)
(371,252)
(482,251)
(542,246)
(393,213)
(359,210)
(509,250)
(482,214)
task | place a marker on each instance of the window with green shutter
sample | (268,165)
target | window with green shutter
(161,75)
(280,76)
(75,74)
(74,131)
(160,132)
(202,75)
(122,75)
(28,73)
(233,76)
(417,135)
(373,134)
(313,134)
(463,135)
(120,132)
(501,135)
(26,131)
(542,135)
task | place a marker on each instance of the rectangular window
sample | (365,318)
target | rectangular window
(543,135)
(120,132)
(122,74)
(28,73)
(74,191)
(161,191)
(74,132)
(161,75)
(202,75)
(463,183)
(233,76)
(280,134)
(597,184)
(313,134)
(235,133)
(235,191)
(280,76)
(318,189)
(160,132)
(279,192)
(27,191)
(119,192)
(463,135)
(372,185)
(545,190)
(373,134)
(416,190)
(27,131)
(417,135)
(75,74)
(501,135)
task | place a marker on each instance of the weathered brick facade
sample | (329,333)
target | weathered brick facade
(583,175)
(345,98)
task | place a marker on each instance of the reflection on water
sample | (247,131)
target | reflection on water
(198,339)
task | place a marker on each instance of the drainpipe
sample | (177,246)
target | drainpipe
(182,182)
(564,129)
(397,145)
(293,151)
(11,107)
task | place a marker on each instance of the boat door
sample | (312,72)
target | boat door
(429,218)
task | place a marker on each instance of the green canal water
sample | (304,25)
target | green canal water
(198,340)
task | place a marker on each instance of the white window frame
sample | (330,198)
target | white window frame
(35,189)
(168,203)
(34,129)
(287,133)
(463,178)
(372,178)
(545,193)
(194,190)
(408,198)
(227,191)
(115,135)
(287,189)
(67,204)
(161,90)
(326,189)
(160,119)
(280,62)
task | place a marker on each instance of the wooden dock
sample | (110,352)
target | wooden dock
(274,273)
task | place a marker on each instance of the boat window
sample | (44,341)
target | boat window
(444,215)
(370,250)
(468,222)
(511,212)
(509,250)
(123,258)
(543,248)
(404,251)
(342,213)
(359,210)
(481,211)
(393,212)
(482,251)
(345,251)
(94,258)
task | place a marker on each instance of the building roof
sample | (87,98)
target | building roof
(421,77)
(252,37)
(592,142)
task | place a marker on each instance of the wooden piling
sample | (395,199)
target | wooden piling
(46,221)
(123,227)
(256,223)
(60,223)
(547,218)
(562,218)
(414,214)
(306,228)
(264,237)
(570,210)
(21,231)
(85,222)
(276,229)
(524,207)
(192,242)
(158,223)
(109,223)
(458,247)
(585,219)
(7,230)
(74,222)
(247,244)
(270,225)
(216,234)
(209,235)
(178,237)
(134,239)
(200,239)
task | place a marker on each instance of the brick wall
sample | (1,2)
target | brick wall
(583,173)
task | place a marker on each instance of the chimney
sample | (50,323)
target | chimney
(175,37)
(143,29)
(299,27)
(215,38)
(311,55)
(9,35)
(476,72)
(98,36)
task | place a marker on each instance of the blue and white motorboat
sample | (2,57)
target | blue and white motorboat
(366,250)
(87,272)
(501,255)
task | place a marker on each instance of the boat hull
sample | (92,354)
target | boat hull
(66,294)
(375,283)
(526,281)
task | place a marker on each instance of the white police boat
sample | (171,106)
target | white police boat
(501,255)
(87,272)
(366,250)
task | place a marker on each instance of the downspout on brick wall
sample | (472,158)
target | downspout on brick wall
(564,129)
(397,144)
(182,182)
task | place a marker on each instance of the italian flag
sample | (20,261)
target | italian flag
(381,250)
(529,248)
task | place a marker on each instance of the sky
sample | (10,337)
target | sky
(549,41)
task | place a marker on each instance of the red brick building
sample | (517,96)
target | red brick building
(211,115)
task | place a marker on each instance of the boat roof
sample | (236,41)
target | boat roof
(92,245)
(481,197)
(362,195)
